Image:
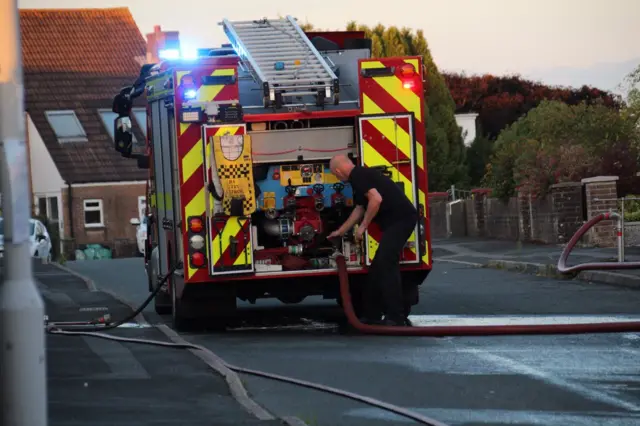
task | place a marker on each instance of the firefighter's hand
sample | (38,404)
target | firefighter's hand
(335,234)
(359,233)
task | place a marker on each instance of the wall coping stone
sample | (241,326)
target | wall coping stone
(600,179)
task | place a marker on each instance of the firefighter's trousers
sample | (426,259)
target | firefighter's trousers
(383,292)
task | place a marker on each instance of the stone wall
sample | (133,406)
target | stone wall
(438,214)
(551,220)
(601,197)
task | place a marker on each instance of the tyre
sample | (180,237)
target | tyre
(162,303)
(178,320)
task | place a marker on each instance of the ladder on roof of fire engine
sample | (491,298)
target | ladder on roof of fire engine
(282,59)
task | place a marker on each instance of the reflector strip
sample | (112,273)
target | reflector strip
(190,152)
(385,95)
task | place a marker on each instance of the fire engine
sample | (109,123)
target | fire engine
(238,145)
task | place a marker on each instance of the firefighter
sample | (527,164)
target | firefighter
(378,199)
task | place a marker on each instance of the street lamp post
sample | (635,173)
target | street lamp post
(22,347)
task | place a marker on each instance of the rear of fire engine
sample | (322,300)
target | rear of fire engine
(238,145)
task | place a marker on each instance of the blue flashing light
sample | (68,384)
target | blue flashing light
(169,54)
(190,94)
(279,66)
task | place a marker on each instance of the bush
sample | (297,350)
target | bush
(556,142)
(632,209)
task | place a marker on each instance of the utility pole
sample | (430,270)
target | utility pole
(22,346)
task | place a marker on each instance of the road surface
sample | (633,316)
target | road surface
(521,380)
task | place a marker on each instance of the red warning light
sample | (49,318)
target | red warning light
(197,259)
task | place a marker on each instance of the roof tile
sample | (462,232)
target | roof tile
(100,41)
(79,59)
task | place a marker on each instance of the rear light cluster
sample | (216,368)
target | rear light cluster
(408,74)
(189,89)
(196,232)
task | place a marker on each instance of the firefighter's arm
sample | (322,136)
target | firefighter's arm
(353,218)
(374,200)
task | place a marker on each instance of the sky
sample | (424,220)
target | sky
(558,42)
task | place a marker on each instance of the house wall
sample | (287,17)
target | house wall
(45,177)
(467,122)
(120,203)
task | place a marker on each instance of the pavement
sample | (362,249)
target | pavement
(588,380)
(537,259)
(92,381)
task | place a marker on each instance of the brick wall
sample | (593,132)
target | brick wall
(553,219)
(119,205)
(601,194)
(568,209)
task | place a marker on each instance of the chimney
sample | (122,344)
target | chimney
(158,40)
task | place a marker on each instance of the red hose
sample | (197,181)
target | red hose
(470,330)
(563,268)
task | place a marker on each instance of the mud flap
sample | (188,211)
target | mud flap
(387,143)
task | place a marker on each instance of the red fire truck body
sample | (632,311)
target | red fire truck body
(238,144)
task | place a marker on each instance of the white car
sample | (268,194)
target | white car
(141,232)
(39,239)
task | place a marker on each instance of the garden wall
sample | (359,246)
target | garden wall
(553,219)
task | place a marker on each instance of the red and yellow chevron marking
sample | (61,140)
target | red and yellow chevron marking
(389,142)
(191,155)
(393,147)
(222,232)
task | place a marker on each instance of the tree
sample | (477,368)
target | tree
(478,155)
(445,146)
(556,142)
(500,101)
(632,107)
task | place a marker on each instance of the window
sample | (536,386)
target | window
(48,207)
(93,215)
(53,209)
(66,126)
(42,206)
(141,117)
(108,119)
(142,205)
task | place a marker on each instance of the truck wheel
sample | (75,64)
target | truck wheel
(162,303)
(178,320)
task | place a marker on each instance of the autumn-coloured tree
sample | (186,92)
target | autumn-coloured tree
(500,101)
(556,142)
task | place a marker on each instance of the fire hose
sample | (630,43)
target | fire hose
(562,262)
(481,330)
(91,328)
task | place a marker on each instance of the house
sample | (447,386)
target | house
(75,61)
(468,124)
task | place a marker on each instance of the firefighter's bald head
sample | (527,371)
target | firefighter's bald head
(341,166)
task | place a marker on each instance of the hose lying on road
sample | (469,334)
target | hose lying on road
(469,330)
(562,262)
(93,325)
(311,385)
(90,329)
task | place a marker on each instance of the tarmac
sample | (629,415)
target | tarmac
(92,381)
(537,259)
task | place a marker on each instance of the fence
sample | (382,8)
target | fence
(553,219)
